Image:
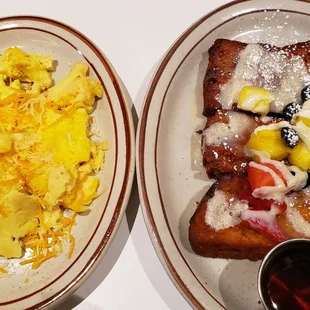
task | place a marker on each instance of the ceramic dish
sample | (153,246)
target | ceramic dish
(57,278)
(170,177)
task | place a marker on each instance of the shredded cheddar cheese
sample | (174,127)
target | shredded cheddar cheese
(47,155)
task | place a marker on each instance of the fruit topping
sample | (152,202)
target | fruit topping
(305,93)
(303,119)
(271,179)
(300,156)
(290,136)
(259,177)
(308,180)
(255,99)
(276,115)
(269,141)
(265,222)
(260,204)
(291,109)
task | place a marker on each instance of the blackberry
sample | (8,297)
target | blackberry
(291,109)
(305,93)
(289,136)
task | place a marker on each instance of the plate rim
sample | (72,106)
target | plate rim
(125,192)
(144,200)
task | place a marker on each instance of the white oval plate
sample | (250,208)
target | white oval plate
(59,277)
(170,183)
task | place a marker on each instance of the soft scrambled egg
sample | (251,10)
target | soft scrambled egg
(47,156)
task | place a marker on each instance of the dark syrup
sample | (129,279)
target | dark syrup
(289,282)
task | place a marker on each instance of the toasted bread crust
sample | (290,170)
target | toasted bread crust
(223,58)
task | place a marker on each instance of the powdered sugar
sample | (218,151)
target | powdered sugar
(222,212)
(295,218)
(269,68)
(226,134)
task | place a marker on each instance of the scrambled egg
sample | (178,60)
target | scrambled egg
(47,156)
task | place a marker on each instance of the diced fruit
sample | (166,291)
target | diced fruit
(300,156)
(291,109)
(269,141)
(305,93)
(255,99)
(276,115)
(259,178)
(261,204)
(305,120)
(265,223)
(290,136)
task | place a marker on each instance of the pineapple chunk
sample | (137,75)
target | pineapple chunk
(300,156)
(305,120)
(255,99)
(269,141)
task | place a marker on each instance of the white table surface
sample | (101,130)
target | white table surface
(133,34)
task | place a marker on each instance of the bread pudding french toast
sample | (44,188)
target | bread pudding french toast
(256,143)
(223,140)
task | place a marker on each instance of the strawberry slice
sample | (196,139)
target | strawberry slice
(259,178)
(260,204)
(265,222)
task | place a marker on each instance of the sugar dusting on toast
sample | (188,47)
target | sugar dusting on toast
(300,224)
(223,212)
(228,134)
(270,68)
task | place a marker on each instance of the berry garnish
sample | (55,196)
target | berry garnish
(305,93)
(308,180)
(275,115)
(291,109)
(289,136)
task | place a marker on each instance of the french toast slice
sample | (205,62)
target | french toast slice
(238,241)
(224,56)
(223,140)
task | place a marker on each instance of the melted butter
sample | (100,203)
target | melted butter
(222,212)
(272,70)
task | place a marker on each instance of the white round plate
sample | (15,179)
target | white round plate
(170,179)
(59,277)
